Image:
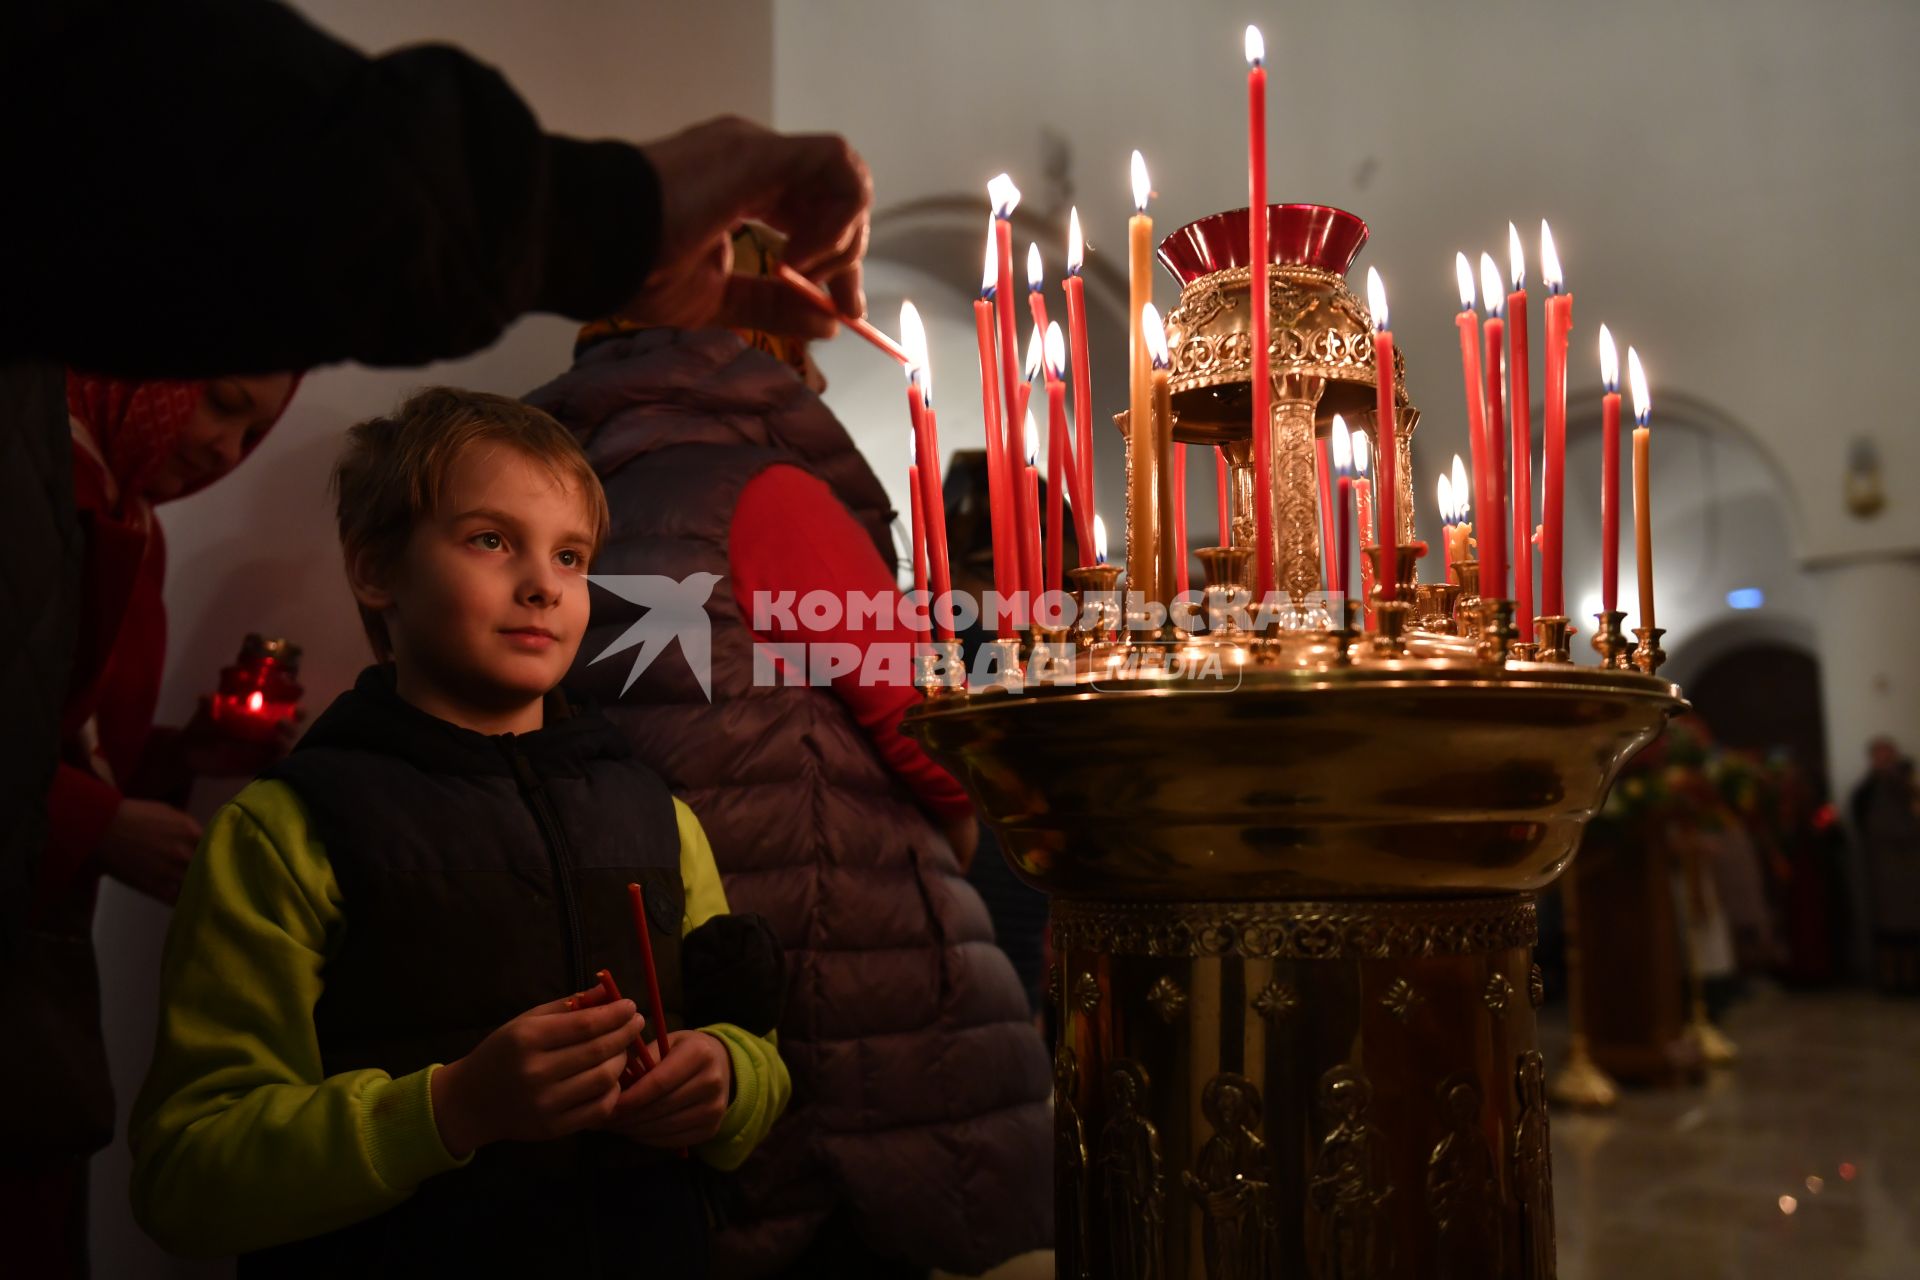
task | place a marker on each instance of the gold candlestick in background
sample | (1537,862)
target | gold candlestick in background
(1581,1082)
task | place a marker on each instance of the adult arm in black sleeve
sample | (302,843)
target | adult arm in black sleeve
(216,186)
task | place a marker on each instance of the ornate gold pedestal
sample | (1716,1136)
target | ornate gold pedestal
(1293,922)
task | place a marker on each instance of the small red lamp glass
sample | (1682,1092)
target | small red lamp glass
(260,691)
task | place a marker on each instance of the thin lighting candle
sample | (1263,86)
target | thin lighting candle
(999,501)
(1080,457)
(1387,427)
(1493,485)
(1521,410)
(1260,322)
(1364,533)
(1642,485)
(1553,461)
(1609,473)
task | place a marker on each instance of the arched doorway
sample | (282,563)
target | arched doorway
(1764,697)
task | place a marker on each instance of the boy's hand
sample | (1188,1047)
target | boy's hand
(548,1073)
(681,1101)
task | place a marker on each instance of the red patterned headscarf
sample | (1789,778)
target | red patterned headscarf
(137,422)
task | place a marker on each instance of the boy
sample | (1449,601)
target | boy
(422,882)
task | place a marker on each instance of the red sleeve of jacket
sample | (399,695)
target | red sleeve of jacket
(79,807)
(791,534)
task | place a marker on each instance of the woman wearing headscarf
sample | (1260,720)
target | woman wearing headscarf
(918,1136)
(135,444)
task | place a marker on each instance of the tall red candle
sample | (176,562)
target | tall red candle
(1468,322)
(1553,499)
(1181,580)
(918,506)
(1036,291)
(1060,480)
(1223,495)
(1336,568)
(1340,442)
(1609,473)
(1030,486)
(656,1007)
(1493,509)
(1521,407)
(999,502)
(1259,328)
(1387,428)
(1026,523)
(1080,457)
(926,456)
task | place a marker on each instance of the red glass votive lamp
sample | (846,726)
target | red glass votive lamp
(260,691)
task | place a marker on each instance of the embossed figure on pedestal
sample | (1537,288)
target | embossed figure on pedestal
(1073,1260)
(1230,1182)
(1131,1180)
(1462,1193)
(1533,1168)
(1347,1236)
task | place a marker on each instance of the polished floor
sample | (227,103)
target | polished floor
(1801,1162)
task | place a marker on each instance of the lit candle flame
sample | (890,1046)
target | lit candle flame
(1342,446)
(1076,248)
(1445,491)
(1637,380)
(1004,196)
(1492,297)
(1462,494)
(1549,260)
(1256,47)
(1141,187)
(1099,540)
(1463,272)
(1377,300)
(913,340)
(1516,259)
(1036,346)
(1030,433)
(1362,454)
(1155,334)
(990,275)
(1609,362)
(1056,350)
(1036,274)
(256,700)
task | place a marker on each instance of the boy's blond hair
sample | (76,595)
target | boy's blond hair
(394,471)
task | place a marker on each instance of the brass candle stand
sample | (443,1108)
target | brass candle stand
(1648,655)
(1553,639)
(1610,642)
(1292,872)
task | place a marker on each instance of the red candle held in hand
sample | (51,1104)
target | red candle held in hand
(1521,409)
(1609,473)
(1387,427)
(919,524)
(657,1009)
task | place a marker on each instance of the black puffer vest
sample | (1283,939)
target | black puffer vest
(481,876)
(920,1087)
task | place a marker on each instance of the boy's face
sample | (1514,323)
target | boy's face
(489,603)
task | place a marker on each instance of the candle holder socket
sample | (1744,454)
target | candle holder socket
(1553,636)
(1050,658)
(1001,658)
(1349,632)
(1466,606)
(1227,568)
(940,667)
(1433,605)
(1096,596)
(1610,642)
(1496,630)
(1406,573)
(1648,655)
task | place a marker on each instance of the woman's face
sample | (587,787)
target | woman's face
(233,413)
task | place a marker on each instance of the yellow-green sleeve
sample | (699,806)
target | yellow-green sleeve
(240,1141)
(761,1085)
